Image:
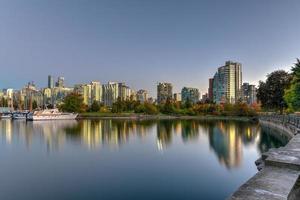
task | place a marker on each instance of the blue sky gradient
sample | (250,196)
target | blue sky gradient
(143,42)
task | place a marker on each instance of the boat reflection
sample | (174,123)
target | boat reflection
(225,138)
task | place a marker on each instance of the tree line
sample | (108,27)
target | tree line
(281,90)
(74,103)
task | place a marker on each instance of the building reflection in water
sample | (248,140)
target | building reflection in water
(189,130)
(53,133)
(226,139)
(113,133)
(164,133)
(6,129)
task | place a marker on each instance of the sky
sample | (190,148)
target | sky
(142,42)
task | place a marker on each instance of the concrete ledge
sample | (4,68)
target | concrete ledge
(279,127)
(270,183)
(280,170)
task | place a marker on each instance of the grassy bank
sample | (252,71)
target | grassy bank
(108,115)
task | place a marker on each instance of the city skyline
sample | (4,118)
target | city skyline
(226,86)
(59,81)
(142,42)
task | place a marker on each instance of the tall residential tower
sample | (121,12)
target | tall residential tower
(50,81)
(60,82)
(210,89)
(164,92)
(190,94)
(249,93)
(227,83)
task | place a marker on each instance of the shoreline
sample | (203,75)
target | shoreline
(129,116)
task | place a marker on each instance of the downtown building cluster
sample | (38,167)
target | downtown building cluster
(226,86)
(109,93)
(165,92)
(30,97)
(105,94)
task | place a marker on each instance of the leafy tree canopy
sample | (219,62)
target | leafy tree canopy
(292,94)
(73,103)
(271,92)
(95,107)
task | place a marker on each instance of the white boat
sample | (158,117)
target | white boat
(5,116)
(19,115)
(50,114)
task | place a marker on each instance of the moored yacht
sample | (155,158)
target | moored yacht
(5,115)
(50,114)
(19,115)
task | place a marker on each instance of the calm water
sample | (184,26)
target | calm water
(113,159)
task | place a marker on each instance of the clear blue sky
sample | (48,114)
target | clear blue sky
(142,42)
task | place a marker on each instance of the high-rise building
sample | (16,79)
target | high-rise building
(96,93)
(59,93)
(249,93)
(227,83)
(85,90)
(50,81)
(89,92)
(133,95)
(205,98)
(177,97)
(60,82)
(142,96)
(110,93)
(164,92)
(217,88)
(9,97)
(210,89)
(47,96)
(125,92)
(191,94)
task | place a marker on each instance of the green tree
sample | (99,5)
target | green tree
(271,92)
(34,105)
(73,103)
(296,71)
(119,106)
(262,96)
(188,103)
(292,94)
(4,102)
(95,107)
(168,107)
(150,109)
(140,109)
(292,97)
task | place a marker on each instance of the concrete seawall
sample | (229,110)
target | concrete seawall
(278,178)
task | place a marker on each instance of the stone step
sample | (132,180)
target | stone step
(284,158)
(271,183)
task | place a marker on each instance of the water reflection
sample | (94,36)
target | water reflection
(6,130)
(225,139)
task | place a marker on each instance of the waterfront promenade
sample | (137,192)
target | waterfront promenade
(278,178)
